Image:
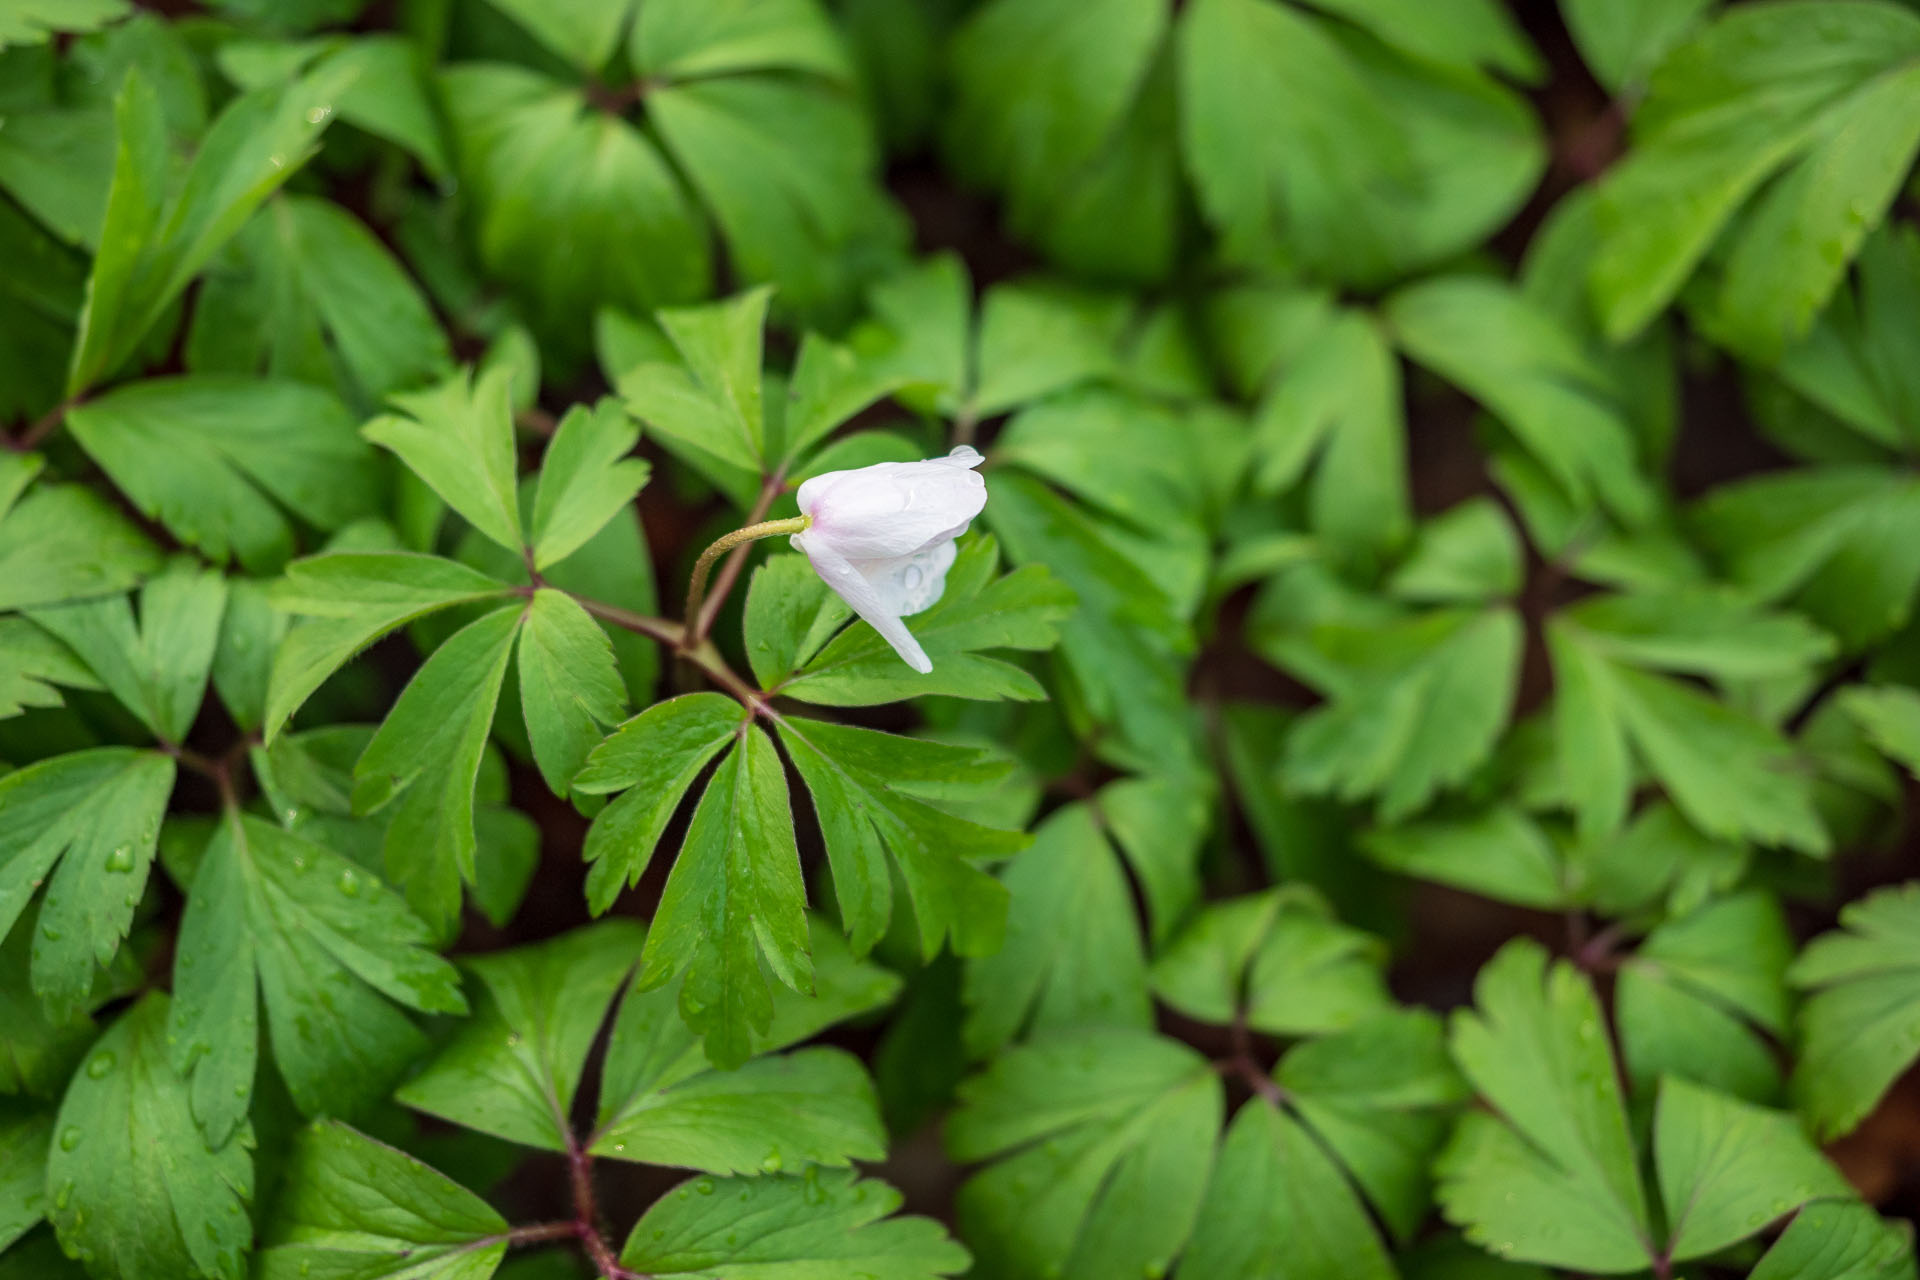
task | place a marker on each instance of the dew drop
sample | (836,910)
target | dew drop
(121,858)
(100,1064)
(350,883)
(69,1137)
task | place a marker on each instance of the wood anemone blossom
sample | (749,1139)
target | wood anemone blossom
(882,537)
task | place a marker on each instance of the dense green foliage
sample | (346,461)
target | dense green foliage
(1404,512)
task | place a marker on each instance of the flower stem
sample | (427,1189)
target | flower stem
(697,586)
(698,625)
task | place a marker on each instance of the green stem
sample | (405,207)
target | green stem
(697,587)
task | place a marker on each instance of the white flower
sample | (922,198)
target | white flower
(882,537)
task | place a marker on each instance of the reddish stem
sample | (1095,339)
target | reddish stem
(1245,1064)
(540,1232)
(44,427)
(702,623)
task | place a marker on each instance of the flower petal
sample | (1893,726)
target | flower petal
(852,586)
(894,509)
(911,584)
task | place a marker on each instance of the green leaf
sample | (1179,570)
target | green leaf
(1500,854)
(1073,955)
(38,1257)
(1336,408)
(327,946)
(513,1067)
(38,1053)
(1658,859)
(569,685)
(685,39)
(1837,543)
(583,32)
(424,761)
(586,478)
(789,1229)
(1536,377)
(873,791)
(1729,773)
(661,1101)
(387,95)
(1061,105)
(158,667)
(65,542)
(813,1106)
(17,471)
(1554,1179)
(1850,364)
(26,22)
(1683,1003)
(733,900)
(1419,708)
(790,616)
(1278,1206)
(1860,1025)
(1891,718)
(1276,961)
(1314,147)
(573,208)
(705,404)
(1159,824)
(352,599)
(1136,462)
(1124,645)
(1468,553)
(655,756)
(830,384)
(25,1136)
(978,611)
(152,244)
(1463,33)
(42,296)
(1624,40)
(101,809)
(1103,1140)
(311,293)
(32,662)
(1378,1097)
(780,152)
(1726,1168)
(138,1193)
(458,437)
(1839,1240)
(615,568)
(220,461)
(353,1207)
(251,630)
(1815,100)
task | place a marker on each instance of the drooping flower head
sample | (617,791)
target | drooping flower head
(882,537)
